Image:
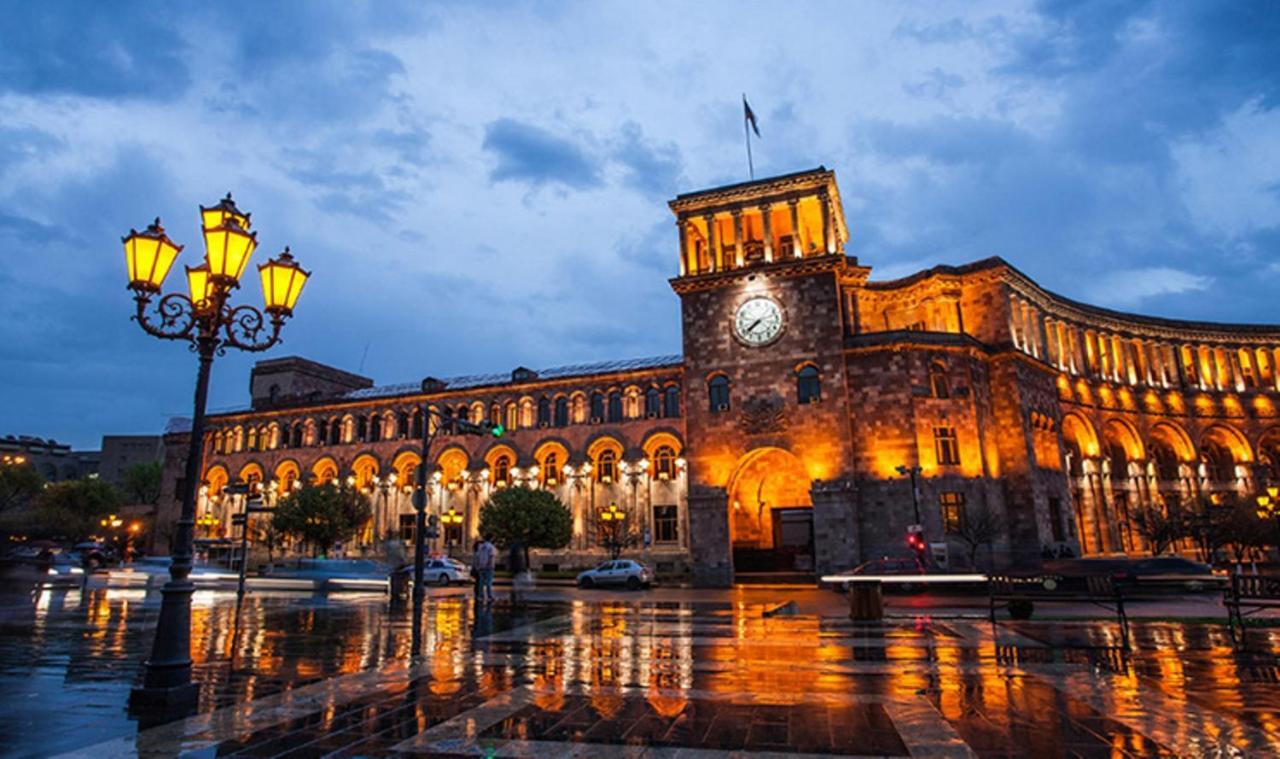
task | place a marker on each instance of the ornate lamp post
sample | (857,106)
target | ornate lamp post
(450,518)
(204,318)
(1269,508)
(614,521)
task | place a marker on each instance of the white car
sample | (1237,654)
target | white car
(446,571)
(625,572)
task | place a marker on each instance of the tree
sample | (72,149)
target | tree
(322,515)
(1159,527)
(141,483)
(69,511)
(19,483)
(980,527)
(528,518)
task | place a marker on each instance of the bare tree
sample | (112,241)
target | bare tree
(980,527)
(1159,527)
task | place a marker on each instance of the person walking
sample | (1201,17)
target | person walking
(482,562)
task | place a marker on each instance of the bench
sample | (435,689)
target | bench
(1252,593)
(1006,590)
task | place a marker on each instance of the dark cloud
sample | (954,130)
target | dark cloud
(93,49)
(533,155)
(651,169)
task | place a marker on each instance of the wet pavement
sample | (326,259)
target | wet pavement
(595,674)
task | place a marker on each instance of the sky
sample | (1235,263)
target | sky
(477,187)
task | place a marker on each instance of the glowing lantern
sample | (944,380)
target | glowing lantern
(216,216)
(282,281)
(227,250)
(149,255)
(199,285)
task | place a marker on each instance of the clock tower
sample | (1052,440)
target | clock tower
(762,269)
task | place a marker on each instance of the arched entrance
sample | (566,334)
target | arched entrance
(770,513)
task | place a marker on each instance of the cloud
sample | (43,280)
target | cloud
(1130,287)
(651,169)
(532,155)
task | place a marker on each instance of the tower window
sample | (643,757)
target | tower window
(952,506)
(718,393)
(939,387)
(945,446)
(808,384)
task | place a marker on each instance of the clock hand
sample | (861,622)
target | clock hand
(754,323)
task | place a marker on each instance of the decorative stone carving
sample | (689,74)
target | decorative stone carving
(762,415)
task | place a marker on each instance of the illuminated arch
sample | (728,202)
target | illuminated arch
(364,469)
(215,479)
(658,439)
(605,454)
(1232,439)
(1079,431)
(764,479)
(405,465)
(453,463)
(252,475)
(324,471)
(1118,431)
(287,473)
(551,457)
(500,459)
(1176,438)
(1268,449)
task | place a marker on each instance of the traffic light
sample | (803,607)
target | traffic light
(915,540)
(463,427)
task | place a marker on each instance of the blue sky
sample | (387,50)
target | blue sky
(477,187)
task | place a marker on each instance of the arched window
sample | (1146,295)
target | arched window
(502,471)
(375,428)
(615,406)
(322,432)
(606,467)
(299,431)
(939,386)
(718,393)
(597,407)
(1118,460)
(550,470)
(335,432)
(464,413)
(808,385)
(513,416)
(286,436)
(652,403)
(664,463)
(252,442)
(415,423)
(671,402)
(362,429)
(1166,460)
(1219,462)
(402,424)
(544,412)
(562,412)
(495,413)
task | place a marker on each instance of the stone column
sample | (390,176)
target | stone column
(710,550)
(766,224)
(836,544)
(737,239)
(828,223)
(683,227)
(1233,361)
(713,245)
(797,244)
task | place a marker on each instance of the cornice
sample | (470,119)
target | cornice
(792,267)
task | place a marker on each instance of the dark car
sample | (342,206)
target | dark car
(890,566)
(1154,572)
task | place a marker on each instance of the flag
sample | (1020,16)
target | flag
(750,116)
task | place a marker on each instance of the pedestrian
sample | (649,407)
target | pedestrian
(482,563)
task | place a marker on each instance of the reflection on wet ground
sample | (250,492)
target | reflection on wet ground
(309,676)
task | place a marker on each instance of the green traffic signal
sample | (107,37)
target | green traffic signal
(497,430)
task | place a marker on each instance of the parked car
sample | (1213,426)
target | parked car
(626,572)
(444,571)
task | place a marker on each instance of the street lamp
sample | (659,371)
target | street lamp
(450,518)
(203,317)
(614,521)
(1269,508)
(913,471)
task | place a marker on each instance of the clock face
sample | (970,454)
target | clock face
(758,321)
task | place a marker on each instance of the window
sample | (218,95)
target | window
(464,413)
(544,412)
(945,446)
(808,384)
(652,403)
(952,507)
(362,429)
(597,407)
(322,432)
(446,422)
(607,466)
(939,387)
(298,430)
(252,444)
(550,470)
(1055,519)
(664,524)
(664,463)
(335,432)
(513,417)
(502,471)
(718,393)
(375,428)
(671,402)
(615,406)
(562,412)
(406,526)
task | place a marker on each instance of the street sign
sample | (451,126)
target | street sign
(237,520)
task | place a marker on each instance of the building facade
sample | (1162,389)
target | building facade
(806,402)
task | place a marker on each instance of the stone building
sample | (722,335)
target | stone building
(786,434)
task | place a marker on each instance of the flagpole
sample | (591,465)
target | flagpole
(746,132)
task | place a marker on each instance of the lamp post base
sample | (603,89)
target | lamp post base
(166,704)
